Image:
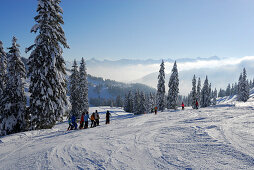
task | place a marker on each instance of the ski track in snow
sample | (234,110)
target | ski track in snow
(220,137)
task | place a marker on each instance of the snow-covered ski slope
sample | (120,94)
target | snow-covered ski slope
(220,137)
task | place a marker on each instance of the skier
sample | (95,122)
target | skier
(82,121)
(196,104)
(73,121)
(182,106)
(96,117)
(86,117)
(70,124)
(155,110)
(93,124)
(107,117)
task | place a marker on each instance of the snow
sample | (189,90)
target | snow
(218,137)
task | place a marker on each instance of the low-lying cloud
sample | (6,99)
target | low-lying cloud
(130,73)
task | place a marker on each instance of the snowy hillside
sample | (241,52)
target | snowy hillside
(232,100)
(219,137)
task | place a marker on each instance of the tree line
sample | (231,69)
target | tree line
(46,73)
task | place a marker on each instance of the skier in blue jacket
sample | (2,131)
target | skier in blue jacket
(73,120)
(86,117)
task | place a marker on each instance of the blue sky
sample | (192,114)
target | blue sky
(137,29)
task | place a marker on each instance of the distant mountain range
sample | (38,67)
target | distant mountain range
(125,62)
(103,90)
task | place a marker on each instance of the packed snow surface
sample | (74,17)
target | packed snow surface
(220,137)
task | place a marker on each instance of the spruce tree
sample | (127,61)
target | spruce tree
(199,90)
(173,88)
(193,92)
(136,102)
(161,88)
(3,67)
(83,88)
(75,91)
(47,66)
(128,106)
(244,87)
(13,106)
(214,101)
(239,89)
(151,102)
(210,94)
(228,90)
(142,104)
(205,94)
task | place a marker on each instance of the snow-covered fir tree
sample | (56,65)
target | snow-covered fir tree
(47,66)
(13,107)
(3,67)
(173,88)
(214,101)
(161,88)
(193,92)
(83,88)
(199,90)
(210,94)
(151,102)
(128,103)
(118,102)
(228,90)
(75,91)
(239,94)
(205,94)
(243,88)
(142,104)
(136,102)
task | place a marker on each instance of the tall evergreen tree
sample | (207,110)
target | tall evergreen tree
(239,89)
(210,94)
(13,106)
(214,101)
(199,90)
(3,67)
(83,87)
(119,102)
(193,92)
(75,91)
(173,88)
(205,94)
(244,88)
(228,90)
(151,102)
(136,102)
(161,88)
(142,104)
(128,103)
(47,66)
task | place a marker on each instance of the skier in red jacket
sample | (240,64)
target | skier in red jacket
(182,106)
(82,121)
(196,104)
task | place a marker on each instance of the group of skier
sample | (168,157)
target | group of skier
(95,120)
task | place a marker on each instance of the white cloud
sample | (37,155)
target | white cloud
(133,72)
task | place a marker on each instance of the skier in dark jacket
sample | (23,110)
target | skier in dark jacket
(97,118)
(73,121)
(108,117)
